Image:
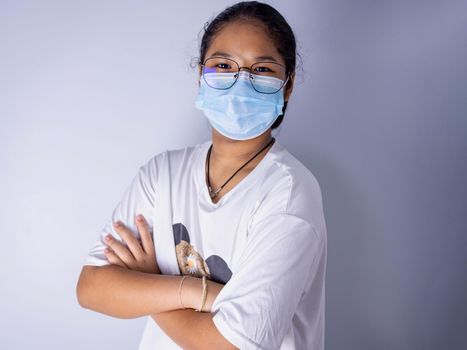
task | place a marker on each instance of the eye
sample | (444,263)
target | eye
(263,69)
(223,66)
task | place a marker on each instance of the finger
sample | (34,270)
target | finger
(121,250)
(129,238)
(145,233)
(113,258)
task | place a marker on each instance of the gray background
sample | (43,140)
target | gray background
(89,91)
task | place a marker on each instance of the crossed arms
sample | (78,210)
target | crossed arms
(131,286)
(123,293)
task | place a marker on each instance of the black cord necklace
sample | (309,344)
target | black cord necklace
(212,193)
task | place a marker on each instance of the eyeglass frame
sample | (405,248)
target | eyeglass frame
(249,75)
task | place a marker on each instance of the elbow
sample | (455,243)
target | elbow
(84,286)
(91,292)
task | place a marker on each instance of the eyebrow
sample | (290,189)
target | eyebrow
(224,54)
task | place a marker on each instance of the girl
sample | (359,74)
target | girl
(230,251)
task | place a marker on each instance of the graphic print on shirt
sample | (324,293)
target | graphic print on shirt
(191,262)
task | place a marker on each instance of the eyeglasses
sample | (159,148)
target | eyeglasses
(265,77)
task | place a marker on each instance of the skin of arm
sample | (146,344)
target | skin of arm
(192,330)
(123,293)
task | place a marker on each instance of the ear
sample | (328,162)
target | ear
(289,86)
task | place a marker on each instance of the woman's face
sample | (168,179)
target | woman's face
(246,43)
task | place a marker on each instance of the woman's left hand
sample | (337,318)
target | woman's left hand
(133,256)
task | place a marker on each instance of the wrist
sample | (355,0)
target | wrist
(191,292)
(214,289)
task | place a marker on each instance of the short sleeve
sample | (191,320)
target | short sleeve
(138,198)
(255,308)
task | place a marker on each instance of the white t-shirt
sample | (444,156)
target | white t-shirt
(265,240)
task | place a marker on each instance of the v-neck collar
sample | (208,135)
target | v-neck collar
(203,192)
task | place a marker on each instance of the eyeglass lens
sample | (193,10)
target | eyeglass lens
(222,73)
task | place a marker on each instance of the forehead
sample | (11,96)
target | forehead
(244,42)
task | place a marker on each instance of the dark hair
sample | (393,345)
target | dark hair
(275,24)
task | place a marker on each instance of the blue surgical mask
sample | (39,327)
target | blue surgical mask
(241,112)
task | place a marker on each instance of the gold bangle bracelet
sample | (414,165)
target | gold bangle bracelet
(203,298)
(180,291)
(205,294)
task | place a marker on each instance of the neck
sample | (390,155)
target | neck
(233,152)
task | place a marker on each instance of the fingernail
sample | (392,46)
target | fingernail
(118,223)
(139,217)
(107,238)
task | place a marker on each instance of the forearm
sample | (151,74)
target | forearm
(124,293)
(192,330)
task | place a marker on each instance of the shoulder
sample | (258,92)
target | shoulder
(174,156)
(291,188)
(184,154)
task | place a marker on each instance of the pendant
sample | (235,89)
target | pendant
(213,193)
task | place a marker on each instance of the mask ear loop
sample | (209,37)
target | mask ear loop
(286,81)
(285,102)
(201,76)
